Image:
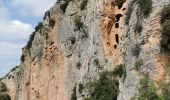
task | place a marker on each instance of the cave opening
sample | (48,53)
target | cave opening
(117,16)
(117,25)
(117,38)
(115,46)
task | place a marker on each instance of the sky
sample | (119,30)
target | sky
(17,21)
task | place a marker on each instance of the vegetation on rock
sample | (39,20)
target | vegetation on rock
(83,4)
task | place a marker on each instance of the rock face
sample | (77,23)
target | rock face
(79,39)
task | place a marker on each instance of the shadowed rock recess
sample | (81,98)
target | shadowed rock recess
(96,50)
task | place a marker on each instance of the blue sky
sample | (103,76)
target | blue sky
(17,21)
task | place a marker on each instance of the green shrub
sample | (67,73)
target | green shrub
(4,96)
(47,13)
(166,91)
(29,44)
(166,28)
(138,64)
(3,87)
(83,4)
(136,50)
(119,70)
(39,26)
(96,62)
(22,58)
(129,12)
(165,14)
(138,27)
(73,95)
(147,90)
(51,23)
(13,69)
(145,6)
(105,88)
(81,87)
(64,5)
(78,23)
(165,24)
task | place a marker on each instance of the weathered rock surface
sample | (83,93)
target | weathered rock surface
(62,55)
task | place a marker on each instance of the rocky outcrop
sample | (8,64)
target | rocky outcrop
(78,40)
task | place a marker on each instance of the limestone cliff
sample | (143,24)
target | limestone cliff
(79,39)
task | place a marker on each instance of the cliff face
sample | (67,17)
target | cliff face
(78,40)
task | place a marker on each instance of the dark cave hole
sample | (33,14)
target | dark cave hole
(115,46)
(117,25)
(117,38)
(117,16)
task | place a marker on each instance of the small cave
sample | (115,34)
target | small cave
(119,3)
(124,9)
(117,25)
(117,38)
(115,46)
(117,16)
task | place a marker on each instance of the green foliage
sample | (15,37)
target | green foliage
(165,14)
(105,88)
(120,70)
(3,90)
(166,92)
(96,62)
(165,24)
(78,23)
(29,44)
(73,95)
(136,50)
(81,87)
(138,64)
(166,28)
(83,4)
(4,96)
(39,26)
(3,87)
(22,58)
(129,12)
(138,27)
(64,5)
(147,90)
(145,6)
(13,69)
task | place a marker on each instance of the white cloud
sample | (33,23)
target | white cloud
(33,7)
(14,30)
